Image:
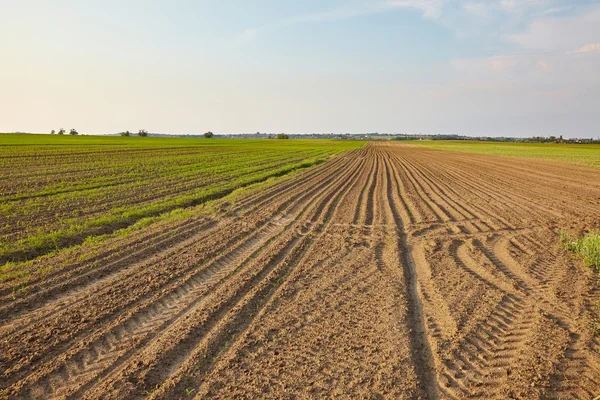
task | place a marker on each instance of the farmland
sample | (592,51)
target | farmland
(62,189)
(390,270)
(577,154)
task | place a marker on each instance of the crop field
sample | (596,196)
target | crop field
(63,189)
(577,154)
(390,270)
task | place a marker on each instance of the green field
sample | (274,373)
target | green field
(56,191)
(578,154)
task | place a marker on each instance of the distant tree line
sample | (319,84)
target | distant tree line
(535,139)
(61,131)
(141,132)
(209,135)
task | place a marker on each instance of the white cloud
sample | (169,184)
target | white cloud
(431,9)
(515,5)
(557,94)
(477,9)
(588,48)
(555,10)
(560,33)
(492,67)
(530,70)
(245,37)
(542,64)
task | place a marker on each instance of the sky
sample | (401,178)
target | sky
(489,67)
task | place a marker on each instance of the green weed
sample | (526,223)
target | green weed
(587,247)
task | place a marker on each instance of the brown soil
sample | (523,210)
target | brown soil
(388,272)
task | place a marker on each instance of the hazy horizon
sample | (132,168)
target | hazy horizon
(218,134)
(478,68)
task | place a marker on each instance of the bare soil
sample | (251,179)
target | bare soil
(389,272)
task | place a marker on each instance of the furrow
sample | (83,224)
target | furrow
(422,354)
(179,289)
(206,354)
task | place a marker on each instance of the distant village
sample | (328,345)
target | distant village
(393,136)
(355,136)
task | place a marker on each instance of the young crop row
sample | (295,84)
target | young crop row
(95,191)
(55,195)
(44,176)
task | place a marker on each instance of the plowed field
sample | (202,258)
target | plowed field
(389,271)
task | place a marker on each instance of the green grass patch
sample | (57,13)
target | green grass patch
(586,247)
(577,154)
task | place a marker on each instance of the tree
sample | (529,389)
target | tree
(52,132)
(208,135)
(142,133)
(73,132)
(126,133)
(282,136)
(61,131)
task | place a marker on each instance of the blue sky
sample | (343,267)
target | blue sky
(503,67)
